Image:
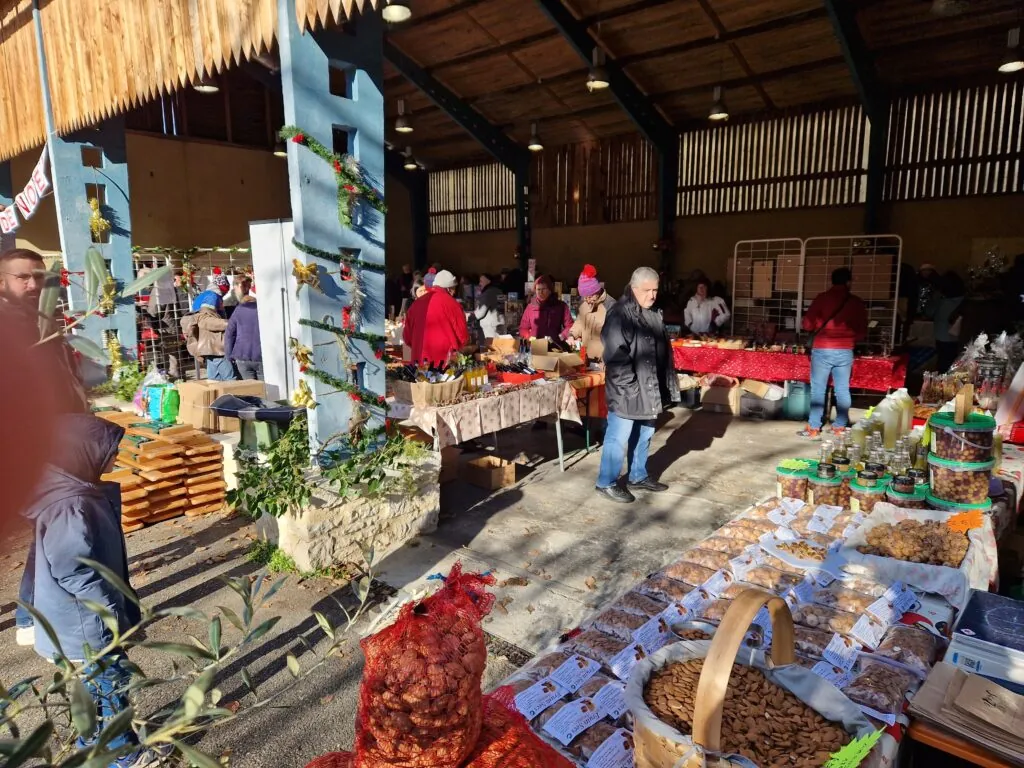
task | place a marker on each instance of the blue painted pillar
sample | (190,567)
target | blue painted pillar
(93,163)
(6,199)
(351,122)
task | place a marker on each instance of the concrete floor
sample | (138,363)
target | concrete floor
(573,549)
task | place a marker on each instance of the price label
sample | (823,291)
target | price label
(868,631)
(615,752)
(901,597)
(575,672)
(718,583)
(804,591)
(611,700)
(539,697)
(834,675)
(572,719)
(841,652)
(883,611)
(653,635)
(625,660)
(828,512)
(966,521)
(697,600)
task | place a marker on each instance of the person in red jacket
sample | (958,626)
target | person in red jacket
(836,320)
(435,325)
(546,316)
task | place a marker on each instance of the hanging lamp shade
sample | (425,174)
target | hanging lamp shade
(280,149)
(409,162)
(207,85)
(1013,61)
(402,123)
(535,144)
(597,78)
(719,112)
(397,11)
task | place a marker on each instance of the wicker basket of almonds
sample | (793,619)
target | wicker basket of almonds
(697,704)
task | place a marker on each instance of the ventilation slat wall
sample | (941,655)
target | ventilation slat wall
(475,199)
(957,144)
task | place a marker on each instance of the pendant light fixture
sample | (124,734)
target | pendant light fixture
(1014,59)
(396,11)
(207,85)
(597,79)
(535,144)
(402,123)
(719,112)
(409,163)
(280,149)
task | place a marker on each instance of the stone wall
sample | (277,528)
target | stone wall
(330,531)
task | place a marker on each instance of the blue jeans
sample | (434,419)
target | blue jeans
(27,590)
(109,689)
(220,369)
(837,363)
(625,440)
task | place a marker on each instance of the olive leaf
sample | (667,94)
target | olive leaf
(141,283)
(88,348)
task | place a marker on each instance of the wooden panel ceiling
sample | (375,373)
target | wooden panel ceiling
(508,62)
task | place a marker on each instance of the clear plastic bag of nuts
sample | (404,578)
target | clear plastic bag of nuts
(839,597)
(639,604)
(756,527)
(880,686)
(598,646)
(691,573)
(586,744)
(823,617)
(739,532)
(707,558)
(618,623)
(811,642)
(544,666)
(771,579)
(730,547)
(916,648)
(661,587)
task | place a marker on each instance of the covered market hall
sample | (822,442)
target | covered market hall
(641,379)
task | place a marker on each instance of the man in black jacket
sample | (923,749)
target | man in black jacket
(639,384)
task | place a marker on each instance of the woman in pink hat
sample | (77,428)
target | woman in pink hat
(590,318)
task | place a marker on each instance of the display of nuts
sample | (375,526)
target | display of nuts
(962,486)
(865,498)
(803,550)
(545,665)
(765,508)
(756,527)
(963,445)
(913,541)
(828,492)
(708,558)
(823,617)
(736,589)
(618,623)
(694,634)
(715,610)
(837,596)
(772,579)
(811,642)
(641,605)
(760,720)
(880,687)
(598,646)
(917,648)
(586,744)
(792,486)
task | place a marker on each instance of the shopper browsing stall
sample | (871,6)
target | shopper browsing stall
(592,313)
(640,384)
(242,337)
(204,338)
(546,316)
(492,322)
(214,294)
(705,313)
(836,320)
(435,325)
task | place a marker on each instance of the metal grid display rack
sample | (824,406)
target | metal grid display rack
(766,289)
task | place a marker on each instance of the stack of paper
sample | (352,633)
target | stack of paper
(974,708)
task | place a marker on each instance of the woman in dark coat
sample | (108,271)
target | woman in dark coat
(77,516)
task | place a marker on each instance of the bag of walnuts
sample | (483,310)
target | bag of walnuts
(695,703)
(420,698)
(506,740)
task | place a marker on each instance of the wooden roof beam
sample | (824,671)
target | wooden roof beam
(655,128)
(737,54)
(873,95)
(490,137)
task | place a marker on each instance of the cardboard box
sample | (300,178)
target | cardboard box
(556,363)
(504,345)
(194,410)
(239,389)
(753,407)
(763,389)
(450,460)
(489,473)
(721,399)
(423,393)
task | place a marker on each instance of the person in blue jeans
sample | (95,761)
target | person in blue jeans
(639,384)
(836,320)
(77,516)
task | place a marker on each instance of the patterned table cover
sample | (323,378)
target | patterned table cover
(454,424)
(879,374)
(589,389)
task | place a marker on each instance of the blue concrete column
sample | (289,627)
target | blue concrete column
(6,199)
(93,162)
(351,122)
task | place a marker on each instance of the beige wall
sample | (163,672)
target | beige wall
(183,193)
(943,232)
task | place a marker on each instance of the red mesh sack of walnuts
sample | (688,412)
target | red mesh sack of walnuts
(332,760)
(506,740)
(420,700)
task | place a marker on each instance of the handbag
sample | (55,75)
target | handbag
(833,316)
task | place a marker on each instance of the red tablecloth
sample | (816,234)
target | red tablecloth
(879,374)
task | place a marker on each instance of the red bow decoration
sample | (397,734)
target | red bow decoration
(350,188)
(346,272)
(379,353)
(337,166)
(299,138)
(346,318)
(65,277)
(355,396)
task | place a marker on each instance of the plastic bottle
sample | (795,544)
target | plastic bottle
(888,413)
(859,434)
(906,404)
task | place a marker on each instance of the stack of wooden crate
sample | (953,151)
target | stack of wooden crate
(165,471)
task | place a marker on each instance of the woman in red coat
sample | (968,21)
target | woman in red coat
(546,316)
(435,325)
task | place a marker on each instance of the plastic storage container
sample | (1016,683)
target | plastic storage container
(864,498)
(825,490)
(796,405)
(791,481)
(971,441)
(916,500)
(960,481)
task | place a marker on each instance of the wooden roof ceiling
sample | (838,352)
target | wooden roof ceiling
(509,62)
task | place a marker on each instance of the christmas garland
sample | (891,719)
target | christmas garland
(339,258)
(370,338)
(358,394)
(351,184)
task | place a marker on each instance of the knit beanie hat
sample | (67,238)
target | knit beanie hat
(219,281)
(428,279)
(588,284)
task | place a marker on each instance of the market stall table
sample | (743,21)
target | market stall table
(878,374)
(951,744)
(590,394)
(460,422)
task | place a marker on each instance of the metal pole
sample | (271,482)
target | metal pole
(51,130)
